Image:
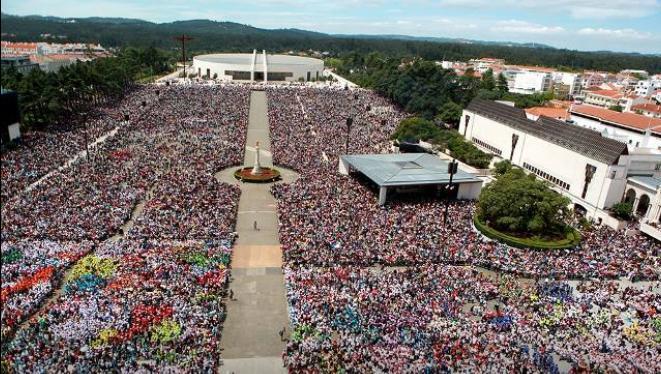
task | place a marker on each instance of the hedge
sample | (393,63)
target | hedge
(572,240)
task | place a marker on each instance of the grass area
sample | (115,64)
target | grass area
(571,239)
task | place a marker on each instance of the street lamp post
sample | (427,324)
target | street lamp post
(452,169)
(349,123)
(87,142)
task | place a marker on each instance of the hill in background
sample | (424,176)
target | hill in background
(229,36)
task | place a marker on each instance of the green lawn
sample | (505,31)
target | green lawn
(572,238)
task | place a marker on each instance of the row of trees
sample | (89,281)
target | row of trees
(47,98)
(425,88)
(415,129)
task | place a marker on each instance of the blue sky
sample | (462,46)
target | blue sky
(618,25)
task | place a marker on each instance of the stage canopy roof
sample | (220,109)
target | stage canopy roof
(405,169)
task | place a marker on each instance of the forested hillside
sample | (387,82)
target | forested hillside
(228,36)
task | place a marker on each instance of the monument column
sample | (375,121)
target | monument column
(256,169)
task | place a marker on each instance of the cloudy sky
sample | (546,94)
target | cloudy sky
(618,25)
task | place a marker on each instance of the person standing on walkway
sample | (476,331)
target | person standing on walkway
(254,225)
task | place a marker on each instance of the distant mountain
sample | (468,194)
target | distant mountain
(214,36)
(442,40)
(125,31)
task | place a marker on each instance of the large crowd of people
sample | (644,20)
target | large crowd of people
(188,206)
(137,240)
(132,306)
(309,125)
(329,219)
(440,318)
(30,271)
(194,128)
(153,299)
(346,315)
(44,149)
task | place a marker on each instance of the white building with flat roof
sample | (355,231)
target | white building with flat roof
(571,80)
(258,67)
(409,173)
(530,82)
(646,87)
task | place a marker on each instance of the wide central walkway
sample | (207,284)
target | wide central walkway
(250,339)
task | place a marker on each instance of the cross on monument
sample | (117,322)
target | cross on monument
(183,39)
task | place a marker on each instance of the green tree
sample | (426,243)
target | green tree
(488,82)
(519,203)
(450,113)
(501,83)
(415,129)
(45,97)
(617,108)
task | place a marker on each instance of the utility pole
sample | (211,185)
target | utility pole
(452,169)
(349,123)
(183,39)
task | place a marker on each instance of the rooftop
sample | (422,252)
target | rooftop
(627,120)
(651,182)
(246,59)
(405,169)
(577,139)
(608,93)
(559,113)
(647,107)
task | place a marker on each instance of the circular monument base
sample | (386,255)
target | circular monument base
(266,175)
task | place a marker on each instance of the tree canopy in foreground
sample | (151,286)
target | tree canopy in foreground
(519,203)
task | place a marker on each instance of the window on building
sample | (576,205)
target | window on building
(240,75)
(544,175)
(277,76)
(486,145)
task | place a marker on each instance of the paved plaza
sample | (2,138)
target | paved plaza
(250,342)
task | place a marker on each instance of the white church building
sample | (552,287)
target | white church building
(580,163)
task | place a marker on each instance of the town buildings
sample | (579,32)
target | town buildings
(633,129)
(612,98)
(648,109)
(48,56)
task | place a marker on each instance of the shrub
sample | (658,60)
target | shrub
(571,238)
(502,167)
(623,210)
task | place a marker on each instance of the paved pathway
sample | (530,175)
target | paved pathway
(250,340)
